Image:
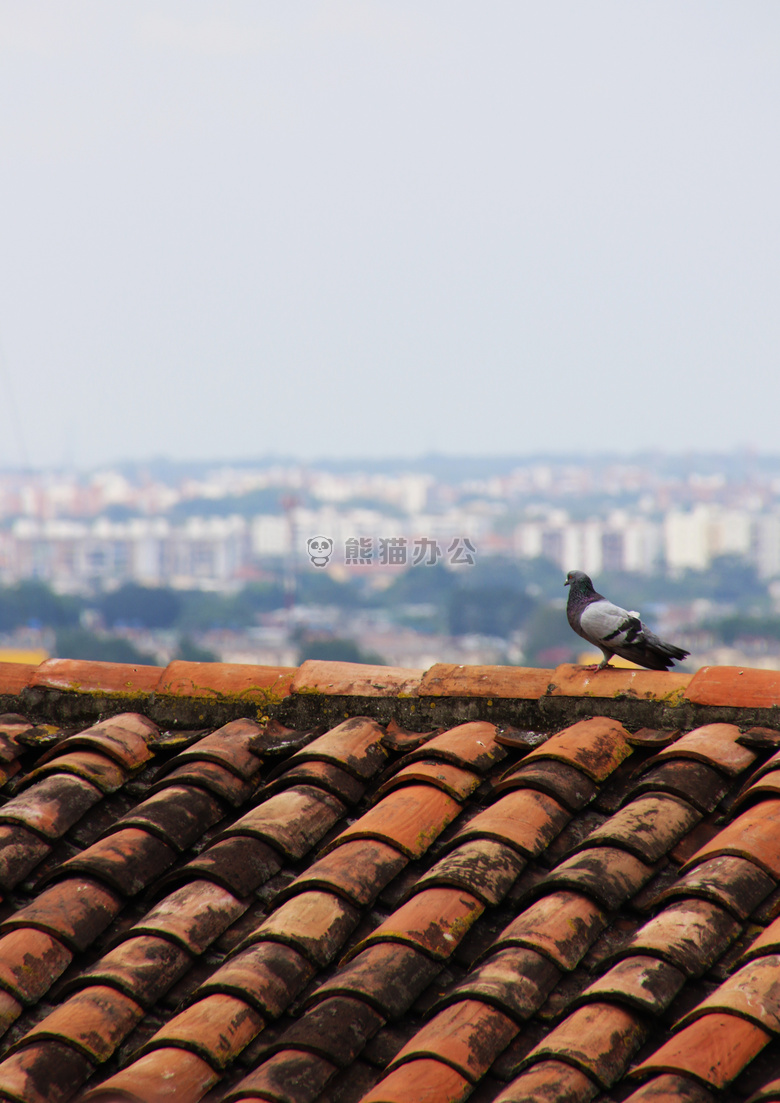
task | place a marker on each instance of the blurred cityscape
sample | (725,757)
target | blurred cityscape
(409,563)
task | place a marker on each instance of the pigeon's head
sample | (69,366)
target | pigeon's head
(579,580)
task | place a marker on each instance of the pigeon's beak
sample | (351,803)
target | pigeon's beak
(566,583)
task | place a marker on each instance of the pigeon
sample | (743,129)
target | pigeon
(613,630)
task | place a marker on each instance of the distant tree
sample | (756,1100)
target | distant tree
(143,606)
(78,643)
(488,611)
(34,603)
(192,652)
(548,631)
(345,651)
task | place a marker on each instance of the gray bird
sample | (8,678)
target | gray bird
(613,630)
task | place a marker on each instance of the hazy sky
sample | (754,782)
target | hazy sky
(384,227)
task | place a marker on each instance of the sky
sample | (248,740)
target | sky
(337,228)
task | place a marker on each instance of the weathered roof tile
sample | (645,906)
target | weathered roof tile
(714,1049)
(93,1021)
(419,1081)
(434,921)
(596,746)
(524,818)
(561,925)
(599,1039)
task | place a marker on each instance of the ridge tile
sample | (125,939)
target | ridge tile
(511,682)
(343,679)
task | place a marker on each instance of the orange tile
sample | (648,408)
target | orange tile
(162,1076)
(656,685)
(229,746)
(454,780)
(388,976)
(357,870)
(644,983)
(610,876)
(30,962)
(123,738)
(483,867)
(10,1010)
(85,676)
(14,677)
(714,1049)
(291,821)
(74,911)
(549,1080)
(409,819)
(433,921)
(267,975)
(766,787)
(648,826)
(517,682)
(217,1028)
(355,746)
(127,860)
(275,1076)
(768,1093)
(690,934)
(524,818)
(144,968)
(420,1081)
(752,993)
(738,686)
(209,775)
(47,1072)
(768,942)
(713,744)
(94,1021)
(669,1088)
(514,979)
(468,1036)
(472,746)
(225,680)
(561,925)
(752,835)
(193,916)
(596,746)
(89,765)
(317,924)
(51,805)
(599,1039)
(355,679)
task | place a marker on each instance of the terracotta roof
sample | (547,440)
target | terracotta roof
(341,883)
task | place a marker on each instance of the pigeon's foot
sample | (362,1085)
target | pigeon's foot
(592,667)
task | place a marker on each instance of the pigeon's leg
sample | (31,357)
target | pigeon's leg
(605,661)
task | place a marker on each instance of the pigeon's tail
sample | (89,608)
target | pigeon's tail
(653,653)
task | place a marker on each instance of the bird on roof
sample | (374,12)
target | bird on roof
(613,630)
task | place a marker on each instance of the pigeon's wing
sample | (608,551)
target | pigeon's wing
(610,626)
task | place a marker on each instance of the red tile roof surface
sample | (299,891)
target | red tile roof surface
(204,898)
